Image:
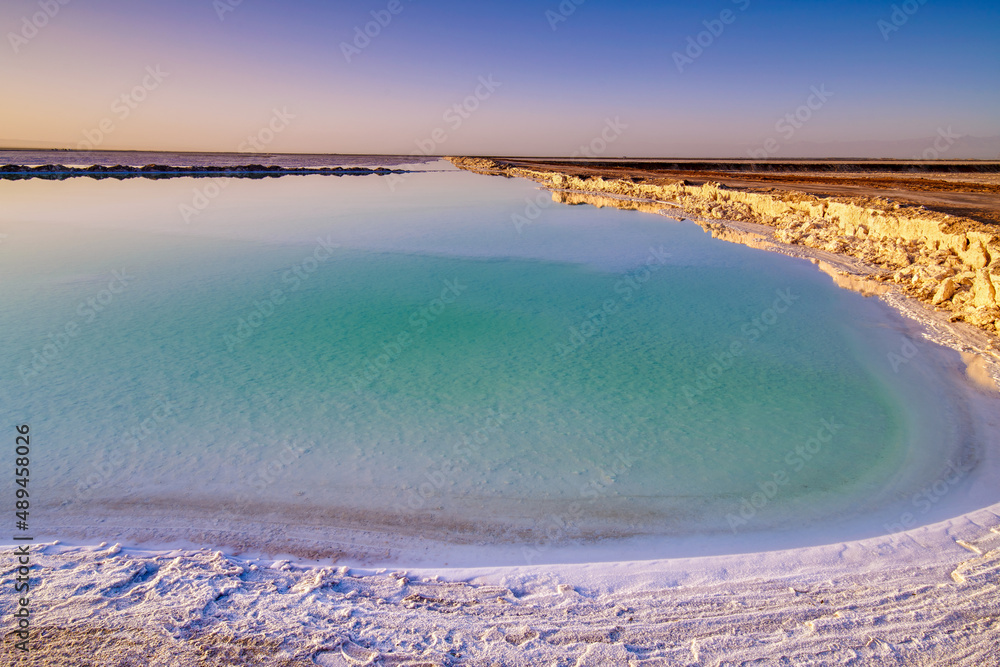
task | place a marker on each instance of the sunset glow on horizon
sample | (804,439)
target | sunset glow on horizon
(728,78)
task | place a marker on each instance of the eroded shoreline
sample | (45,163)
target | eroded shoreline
(939,269)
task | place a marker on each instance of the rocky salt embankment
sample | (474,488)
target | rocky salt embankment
(949,263)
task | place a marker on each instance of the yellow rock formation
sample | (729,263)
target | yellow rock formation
(947,262)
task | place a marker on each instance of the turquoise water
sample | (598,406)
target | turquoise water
(332,344)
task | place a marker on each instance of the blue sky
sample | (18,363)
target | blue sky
(561,73)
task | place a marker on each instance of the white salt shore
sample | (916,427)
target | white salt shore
(924,596)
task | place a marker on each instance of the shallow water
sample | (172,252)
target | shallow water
(403,349)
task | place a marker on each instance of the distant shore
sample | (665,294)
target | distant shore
(18,172)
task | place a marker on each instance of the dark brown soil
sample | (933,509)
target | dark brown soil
(936,186)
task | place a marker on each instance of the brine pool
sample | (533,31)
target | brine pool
(446,359)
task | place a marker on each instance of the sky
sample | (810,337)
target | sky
(731,78)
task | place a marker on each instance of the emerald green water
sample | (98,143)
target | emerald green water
(331,344)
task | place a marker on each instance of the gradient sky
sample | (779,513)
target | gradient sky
(560,81)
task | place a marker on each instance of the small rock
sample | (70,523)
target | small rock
(944,292)
(977,257)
